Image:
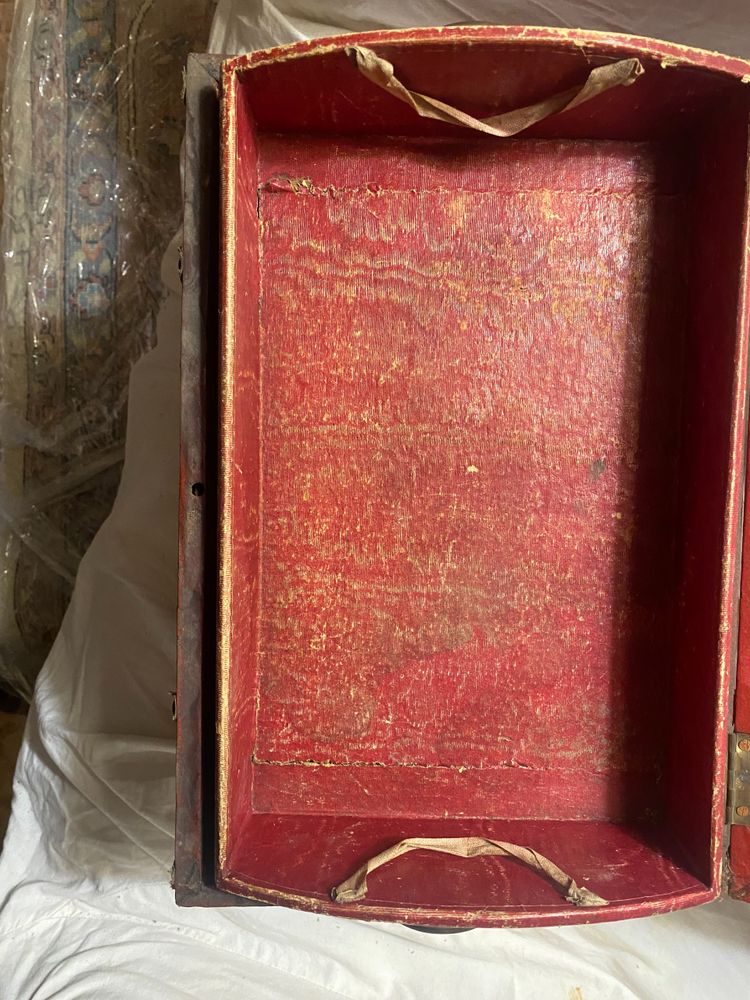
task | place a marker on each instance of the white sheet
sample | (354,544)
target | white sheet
(85,905)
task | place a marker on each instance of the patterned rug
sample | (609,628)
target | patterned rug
(93,122)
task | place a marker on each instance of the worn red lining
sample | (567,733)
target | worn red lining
(543,212)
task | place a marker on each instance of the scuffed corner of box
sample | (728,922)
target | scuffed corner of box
(735,874)
(205,67)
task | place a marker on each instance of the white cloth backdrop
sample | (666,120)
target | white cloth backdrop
(85,904)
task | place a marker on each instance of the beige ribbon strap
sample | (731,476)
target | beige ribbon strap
(380,72)
(355,887)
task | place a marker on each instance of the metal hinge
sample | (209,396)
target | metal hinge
(738,779)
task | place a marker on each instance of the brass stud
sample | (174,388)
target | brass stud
(744,745)
(743,811)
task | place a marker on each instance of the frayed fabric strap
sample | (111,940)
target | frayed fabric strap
(602,78)
(355,887)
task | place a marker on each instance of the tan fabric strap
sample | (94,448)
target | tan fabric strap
(380,72)
(355,887)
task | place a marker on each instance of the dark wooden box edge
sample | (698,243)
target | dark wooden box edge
(194,874)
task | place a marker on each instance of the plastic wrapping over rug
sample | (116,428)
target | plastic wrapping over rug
(92,125)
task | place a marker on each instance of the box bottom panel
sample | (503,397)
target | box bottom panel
(471,360)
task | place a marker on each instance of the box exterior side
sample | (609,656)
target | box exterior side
(195,849)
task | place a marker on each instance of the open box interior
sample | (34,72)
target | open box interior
(480,477)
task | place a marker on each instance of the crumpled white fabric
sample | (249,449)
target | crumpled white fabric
(85,904)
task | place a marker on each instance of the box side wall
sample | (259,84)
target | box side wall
(501,69)
(712,466)
(738,861)
(239,465)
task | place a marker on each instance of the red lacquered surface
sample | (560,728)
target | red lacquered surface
(482,434)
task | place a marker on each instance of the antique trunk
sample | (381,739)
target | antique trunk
(461,637)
